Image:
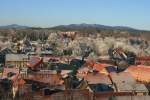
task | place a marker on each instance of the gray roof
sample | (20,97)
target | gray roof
(98,78)
(16,57)
(126,83)
(5,51)
(123,77)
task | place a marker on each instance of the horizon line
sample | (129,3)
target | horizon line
(50,26)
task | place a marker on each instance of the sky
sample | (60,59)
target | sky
(48,13)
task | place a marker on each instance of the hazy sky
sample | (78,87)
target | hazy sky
(47,13)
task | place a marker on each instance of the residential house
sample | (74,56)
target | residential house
(16,60)
(3,53)
(125,82)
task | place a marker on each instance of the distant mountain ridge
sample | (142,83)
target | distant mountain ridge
(77,27)
(93,27)
(14,26)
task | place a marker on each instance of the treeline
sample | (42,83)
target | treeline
(31,34)
(42,34)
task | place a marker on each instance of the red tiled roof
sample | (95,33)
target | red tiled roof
(21,82)
(143,60)
(34,62)
(147,58)
(100,67)
(140,72)
(89,63)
